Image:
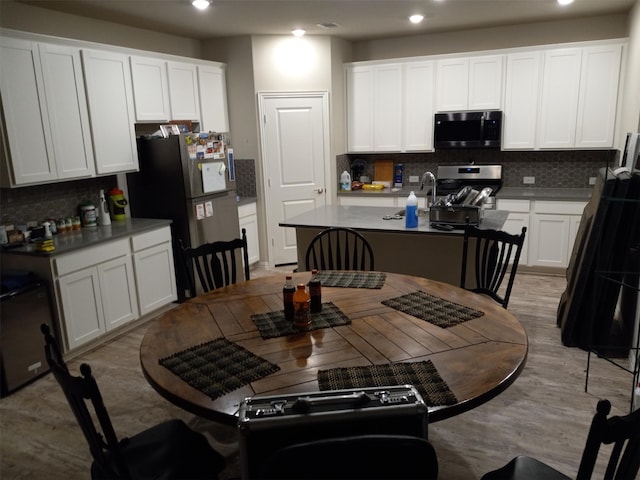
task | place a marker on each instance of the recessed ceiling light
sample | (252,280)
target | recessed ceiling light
(565,2)
(328,25)
(416,18)
(298,32)
(201,4)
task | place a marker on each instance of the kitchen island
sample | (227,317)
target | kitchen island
(424,251)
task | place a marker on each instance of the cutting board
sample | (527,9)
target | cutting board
(383,171)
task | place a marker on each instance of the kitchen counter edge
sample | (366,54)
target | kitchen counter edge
(514,193)
(88,237)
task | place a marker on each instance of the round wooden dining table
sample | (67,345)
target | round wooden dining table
(478,358)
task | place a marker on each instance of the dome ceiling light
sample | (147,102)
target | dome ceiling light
(201,4)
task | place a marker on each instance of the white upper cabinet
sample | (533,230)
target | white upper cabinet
(418,106)
(183,91)
(599,79)
(560,83)
(150,89)
(44,105)
(67,109)
(390,107)
(469,83)
(28,145)
(387,108)
(579,97)
(522,96)
(213,98)
(360,97)
(111,110)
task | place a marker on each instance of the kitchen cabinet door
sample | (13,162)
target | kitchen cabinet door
(248,219)
(519,217)
(360,97)
(111,111)
(150,89)
(67,110)
(419,106)
(183,91)
(154,269)
(387,107)
(485,82)
(597,105)
(560,88)
(550,240)
(117,284)
(452,85)
(213,98)
(81,301)
(29,147)
(522,92)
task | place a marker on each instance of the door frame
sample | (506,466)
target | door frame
(269,222)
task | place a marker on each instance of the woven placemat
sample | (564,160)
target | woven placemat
(218,367)
(352,279)
(436,310)
(273,324)
(422,375)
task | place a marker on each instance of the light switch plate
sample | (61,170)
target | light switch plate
(414,178)
(529,180)
(592,180)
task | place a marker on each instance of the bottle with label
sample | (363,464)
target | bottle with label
(315,291)
(345,181)
(287,297)
(301,301)
(411,212)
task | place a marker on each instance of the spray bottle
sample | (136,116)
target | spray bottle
(103,210)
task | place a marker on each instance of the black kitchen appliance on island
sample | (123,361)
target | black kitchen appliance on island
(186,178)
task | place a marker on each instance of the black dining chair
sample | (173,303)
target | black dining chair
(494,252)
(339,248)
(215,264)
(622,432)
(370,457)
(169,450)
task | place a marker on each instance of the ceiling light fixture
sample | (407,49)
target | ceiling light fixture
(416,18)
(565,2)
(201,4)
(298,32)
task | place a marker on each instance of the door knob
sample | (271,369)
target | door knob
(319,190)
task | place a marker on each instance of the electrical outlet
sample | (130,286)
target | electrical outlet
(592,180)
(529,180)
(414,178)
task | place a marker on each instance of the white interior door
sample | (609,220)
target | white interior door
(295,148)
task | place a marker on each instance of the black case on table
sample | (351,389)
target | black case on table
(268,423)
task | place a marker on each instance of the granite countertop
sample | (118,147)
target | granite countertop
(371,219)
(87,237)
(528,193)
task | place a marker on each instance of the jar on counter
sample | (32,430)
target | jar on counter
(62,225)
(75,223)
(88,215)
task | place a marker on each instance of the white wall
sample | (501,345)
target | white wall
(542,33)
(26,18)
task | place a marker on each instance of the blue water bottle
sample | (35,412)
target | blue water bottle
(411,212)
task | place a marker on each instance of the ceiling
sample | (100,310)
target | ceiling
(357,19)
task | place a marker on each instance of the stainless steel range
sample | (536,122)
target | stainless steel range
(452,179)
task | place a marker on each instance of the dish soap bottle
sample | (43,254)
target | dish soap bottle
(345,181)
(411,211)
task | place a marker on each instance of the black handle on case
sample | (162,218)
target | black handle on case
(356,399)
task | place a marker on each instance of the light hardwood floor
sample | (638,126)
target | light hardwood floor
(545,413)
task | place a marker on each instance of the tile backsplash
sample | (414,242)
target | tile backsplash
(246,177)
(551,169)
(55,200)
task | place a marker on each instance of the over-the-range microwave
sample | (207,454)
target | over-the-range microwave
(468,129)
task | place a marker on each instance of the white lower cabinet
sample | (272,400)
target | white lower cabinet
(154,268)
(553,226)
(96,287)
(248,219)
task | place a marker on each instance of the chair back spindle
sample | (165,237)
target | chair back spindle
(339,248)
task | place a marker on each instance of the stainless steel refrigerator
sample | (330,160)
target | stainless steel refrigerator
(185,178)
